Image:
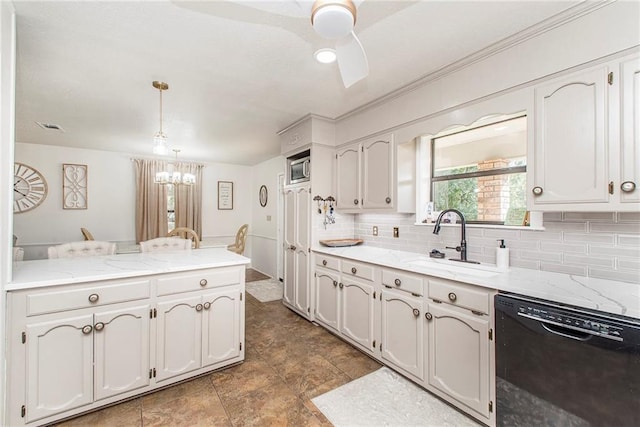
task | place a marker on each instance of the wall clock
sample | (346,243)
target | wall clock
(29,188)
(263,196)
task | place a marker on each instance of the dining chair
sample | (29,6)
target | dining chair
(186,233)
(241,238)
(86,234)
(84,248)
(165,244)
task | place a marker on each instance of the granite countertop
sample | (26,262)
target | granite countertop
(64,271)
(597,294)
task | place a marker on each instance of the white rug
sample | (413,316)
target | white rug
(265,290)
(385,398)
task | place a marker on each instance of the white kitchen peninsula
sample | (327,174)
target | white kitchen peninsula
(88,332)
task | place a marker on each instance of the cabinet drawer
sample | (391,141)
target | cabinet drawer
(356,269)
(403,281)
(460,294)
(328,262)
(83,296)
(196,281)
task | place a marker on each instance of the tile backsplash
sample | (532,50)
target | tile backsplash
(602,245)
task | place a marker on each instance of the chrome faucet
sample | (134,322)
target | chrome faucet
(463,240)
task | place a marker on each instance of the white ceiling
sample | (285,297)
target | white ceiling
(238,71)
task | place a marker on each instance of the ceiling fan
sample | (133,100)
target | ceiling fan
(331,19)
(335,20)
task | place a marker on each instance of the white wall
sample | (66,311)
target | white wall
(264,221)
(602,32)
(7,129)
(111,199)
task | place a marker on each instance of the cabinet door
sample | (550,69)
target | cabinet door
(458,348)
(348,177)
(571,143)
(378,173)
(221,326)
(179,337)
(403,333)
(302,255)
(327,299)
(357,313)
(59,365)
(121,350)
(289,241)
(630,126)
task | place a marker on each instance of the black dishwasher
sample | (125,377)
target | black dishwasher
(558,365)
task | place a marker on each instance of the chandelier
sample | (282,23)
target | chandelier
(171,176)
(160,145)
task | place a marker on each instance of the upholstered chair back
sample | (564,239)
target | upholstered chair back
(82,249)
(165,244)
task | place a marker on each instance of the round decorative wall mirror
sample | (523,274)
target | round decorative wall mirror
(263,196)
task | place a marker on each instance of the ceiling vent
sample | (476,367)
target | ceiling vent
(50,126)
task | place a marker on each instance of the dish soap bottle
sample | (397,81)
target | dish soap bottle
(502,256)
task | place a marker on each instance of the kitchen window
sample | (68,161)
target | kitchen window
(171,207)
(482,172)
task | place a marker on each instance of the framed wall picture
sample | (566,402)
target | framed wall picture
(74,186)
(225,195)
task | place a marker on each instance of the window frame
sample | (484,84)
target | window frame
(490,172)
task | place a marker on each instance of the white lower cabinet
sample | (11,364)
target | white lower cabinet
(402,340)
(197,332)
(72,361)
(327,299)
(459,356)
(436,332)
(75,348)
(357,312)
(346,306)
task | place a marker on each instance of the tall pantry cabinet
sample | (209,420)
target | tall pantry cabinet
(317,135)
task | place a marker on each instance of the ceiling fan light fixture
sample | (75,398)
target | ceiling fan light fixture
(333,20)
(325,55)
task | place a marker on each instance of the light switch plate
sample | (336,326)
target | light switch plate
(375,230)
(396,232)
(268,217)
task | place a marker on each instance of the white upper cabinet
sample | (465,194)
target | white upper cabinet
(630,122)
(378,173)
(366,176)
(585,140)
(348,177)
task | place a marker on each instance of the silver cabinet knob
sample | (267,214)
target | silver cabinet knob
(199,307)
(324,262)
(354,270)
(87,329)
(98,326)
(207,305)
(355,201)
(416,312)
(387,200)
(94,298)
(335,283)
(628,186)
(203,282)
(341,286)
(293,248)
(428,316)
(537,191)
(452,296)
(398,282)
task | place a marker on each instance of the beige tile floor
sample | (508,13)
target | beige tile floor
(288,362)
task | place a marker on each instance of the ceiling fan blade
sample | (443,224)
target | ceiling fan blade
(352,61)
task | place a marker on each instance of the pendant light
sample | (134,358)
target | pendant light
(171,176)
(160,145)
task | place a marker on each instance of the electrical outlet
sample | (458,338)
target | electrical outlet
(268,217)
(375,230)
(396,232)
